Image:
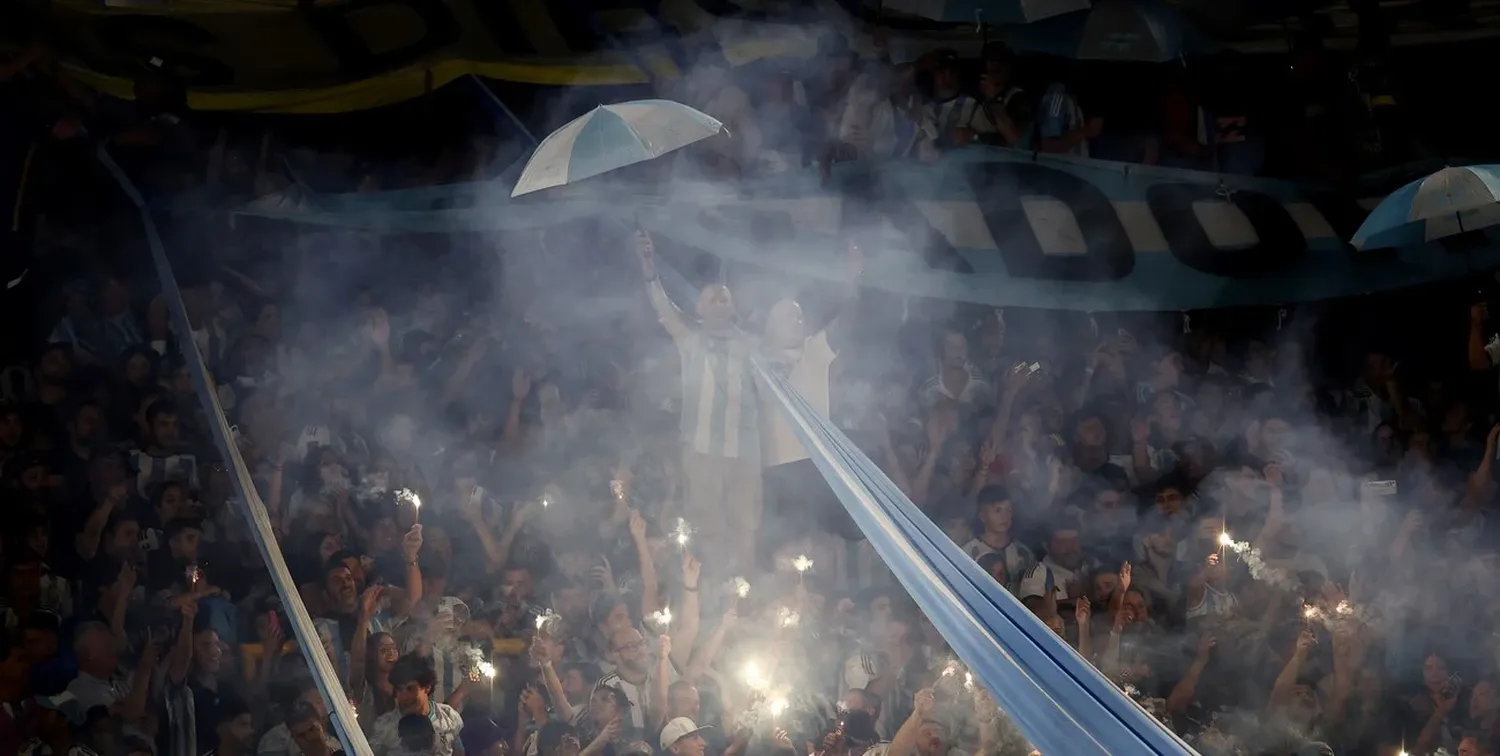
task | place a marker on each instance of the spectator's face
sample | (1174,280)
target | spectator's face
(930,738)
(1169,501)
(1470,746)
(1275,434)
(1090,433)
(87,423)
(516,585)
(39,644)
(629,649)
(602,706)
(127,538)
(342,591)
(1167,413)
(1482,701)
(691,745)
(716,306)
(1137,605)
(138,369)
(955,350)
(308,735)
(185,543)
(1063,548)
(945,80)
(98,653)
(411,698)
(996,516)
(1434,671)
(54,365)
(617,620)
(330,545)
(387,652)
(239,730)
(173,504)
(164,429)
(571,601)
(383,535)
(685,702)
(1105,585)
(1107,501)
(574,684)
(208,650)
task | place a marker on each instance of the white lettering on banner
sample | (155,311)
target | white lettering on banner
(1140,226)
(1226,224)
(1055,226)
(1311,220)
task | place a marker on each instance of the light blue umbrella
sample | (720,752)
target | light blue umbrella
(1147,31)
(610,137)
(1449,202)
(984,11)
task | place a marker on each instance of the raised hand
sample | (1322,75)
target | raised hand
(1126,571)
(369,601)
(377,327)
(1083,611)
(1206,643)
(645,249)
(923,702)
(664,645)
(691,568)
(520,384)
(637,525)
(411,543)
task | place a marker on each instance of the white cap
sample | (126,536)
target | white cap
(678,729)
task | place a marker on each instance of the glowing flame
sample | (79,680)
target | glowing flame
(663,617)
(487,669)
(408,496)
(1225,539)
(617,489)
(1311,612)
(787,617)
(546,501)
(950,669)
(802,563)
(778,705)
(741,587)
(543,618)
(754,677)
(1344,608)
(968,681)
(681,532)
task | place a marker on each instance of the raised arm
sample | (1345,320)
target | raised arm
(685,635)
(670,317)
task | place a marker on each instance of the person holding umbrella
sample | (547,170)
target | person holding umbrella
(720,422)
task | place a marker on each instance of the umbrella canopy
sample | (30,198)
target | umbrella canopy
(610,137)
(985,11)
(1146,31)
(1451,201)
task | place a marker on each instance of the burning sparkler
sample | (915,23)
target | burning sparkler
(662,618)
(1311,613)
(408,496)
(777,706)
(755,679)
(969,681)
(487,669)
(741,587)
(787,617)
(681,533)
(802,564)
(544,620)
(617,489)
(1250,555)
(950,669)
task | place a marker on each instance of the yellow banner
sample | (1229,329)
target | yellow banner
(322,56)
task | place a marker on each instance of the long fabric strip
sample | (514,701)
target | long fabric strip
(352,738)
(1056,698)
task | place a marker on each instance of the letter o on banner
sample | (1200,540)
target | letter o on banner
(1003,191)
(1279,241)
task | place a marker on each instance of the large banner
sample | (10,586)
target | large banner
(294,56)
(991,226)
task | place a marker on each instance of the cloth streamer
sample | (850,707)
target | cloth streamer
(350,735)
(1056,698)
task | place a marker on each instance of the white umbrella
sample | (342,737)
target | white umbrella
(610,137)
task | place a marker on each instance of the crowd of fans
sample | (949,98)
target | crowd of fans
(536,511)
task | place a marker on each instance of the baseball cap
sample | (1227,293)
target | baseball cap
(678,729)
(64,703)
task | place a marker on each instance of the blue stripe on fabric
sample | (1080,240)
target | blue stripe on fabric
(1057,699)
(352,738)
(605,142)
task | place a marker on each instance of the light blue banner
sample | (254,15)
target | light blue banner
(991,226)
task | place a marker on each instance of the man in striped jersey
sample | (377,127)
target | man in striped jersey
(720,421)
